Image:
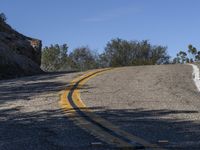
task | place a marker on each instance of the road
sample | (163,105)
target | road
(134,107)
(159,104)
(31,118)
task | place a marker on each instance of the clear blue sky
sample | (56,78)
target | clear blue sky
(172,23)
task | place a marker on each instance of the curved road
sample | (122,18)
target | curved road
(133,107)
(159,104)
(84,117)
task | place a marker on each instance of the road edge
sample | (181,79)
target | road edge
(195,76)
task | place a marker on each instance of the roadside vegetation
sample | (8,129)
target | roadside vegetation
(190,56)
(57,58)
(118,52)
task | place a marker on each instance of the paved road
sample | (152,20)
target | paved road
(156,103)
(151,102)
(84,117)
(31,118)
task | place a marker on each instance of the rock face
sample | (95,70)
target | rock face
(19,55)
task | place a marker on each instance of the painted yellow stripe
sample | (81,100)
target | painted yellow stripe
(94,130)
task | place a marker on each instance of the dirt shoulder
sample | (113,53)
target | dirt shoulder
(152,102)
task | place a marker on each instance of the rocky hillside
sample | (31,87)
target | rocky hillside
(19,55)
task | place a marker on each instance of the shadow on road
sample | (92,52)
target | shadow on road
(156,125)
(25,88)
(52,129)
(28,122)
(42,130)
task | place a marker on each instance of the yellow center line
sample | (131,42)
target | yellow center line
(90,127)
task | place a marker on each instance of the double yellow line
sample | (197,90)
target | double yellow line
(76,110)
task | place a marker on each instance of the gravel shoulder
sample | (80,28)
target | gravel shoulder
(31,119)
(152,102)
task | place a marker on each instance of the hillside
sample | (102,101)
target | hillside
(19,55)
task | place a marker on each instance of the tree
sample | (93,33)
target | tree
(197,57)
(103,61)
(83,59)
(193,51)
(159,55)
(117,52)
(64,58)
(120,52)
(55,58)
(187,60)
(183,56)
(176,60)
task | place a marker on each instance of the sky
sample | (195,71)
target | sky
(171,23)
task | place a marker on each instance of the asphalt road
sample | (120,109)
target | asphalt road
(159,104)
(31,118)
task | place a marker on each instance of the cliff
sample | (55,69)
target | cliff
(19,55)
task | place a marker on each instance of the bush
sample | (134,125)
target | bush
(55,58)
(120,52)
(117,53)
(82,58)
